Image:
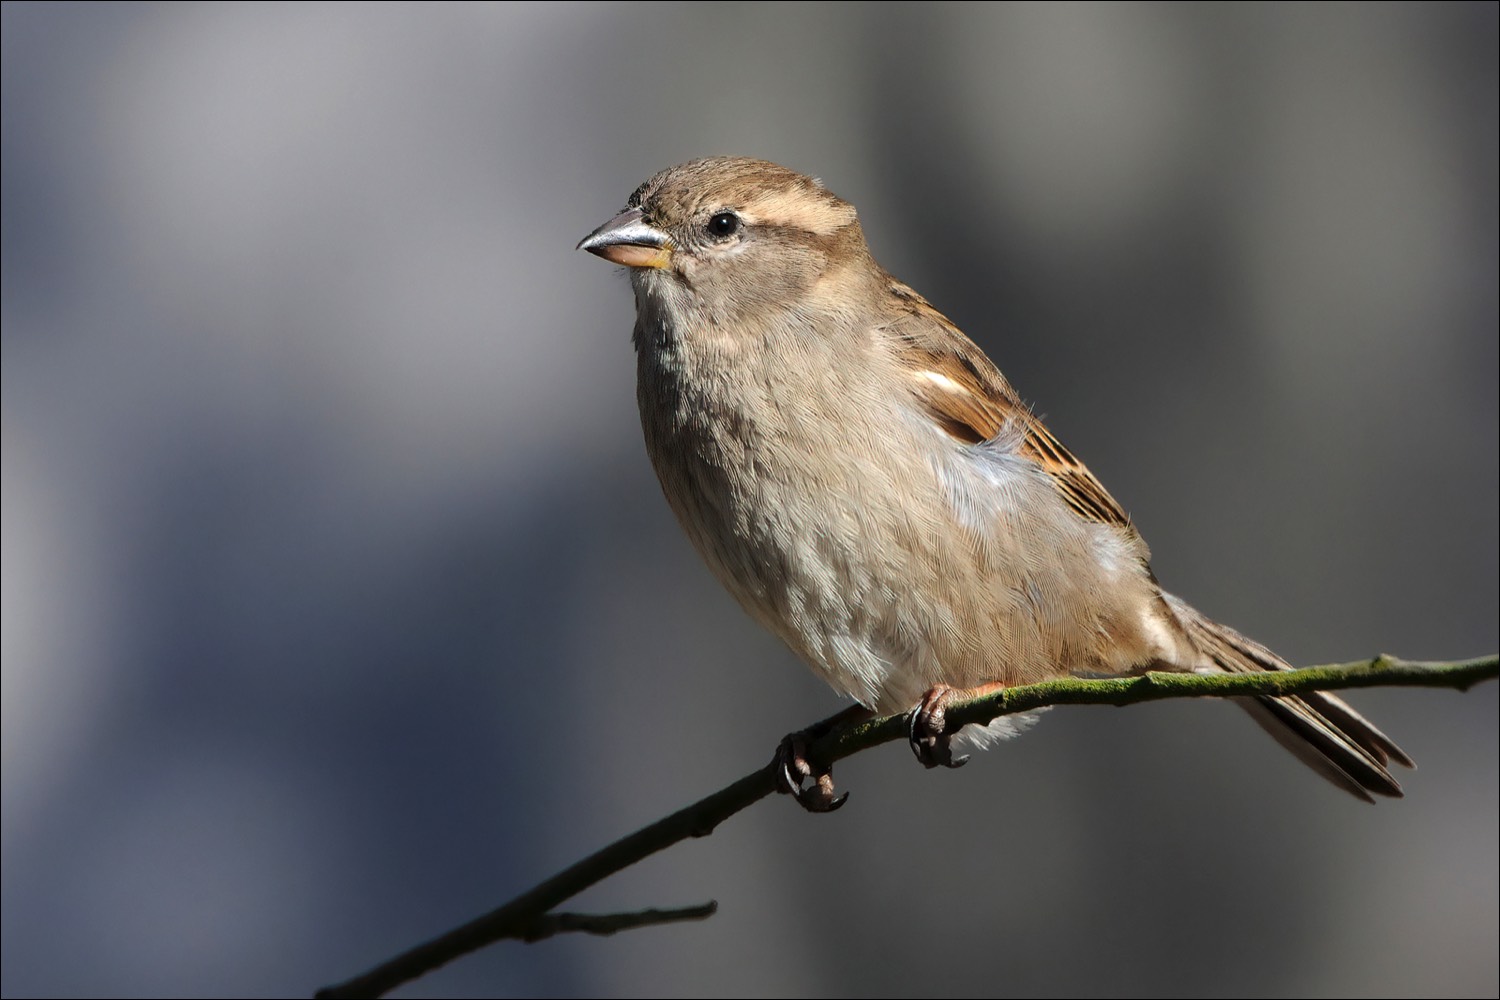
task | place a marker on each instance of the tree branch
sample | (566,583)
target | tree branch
(527,916)
(1383,671)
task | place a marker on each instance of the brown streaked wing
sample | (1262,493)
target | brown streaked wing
(971,400)
(1084,493)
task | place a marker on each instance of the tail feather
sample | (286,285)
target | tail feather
(1321,730)
(1358,728)
(1312,739)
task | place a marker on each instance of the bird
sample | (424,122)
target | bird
(869,487)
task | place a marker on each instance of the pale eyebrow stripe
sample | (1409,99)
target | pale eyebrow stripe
(817,215)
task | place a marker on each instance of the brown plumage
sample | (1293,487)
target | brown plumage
(868,485)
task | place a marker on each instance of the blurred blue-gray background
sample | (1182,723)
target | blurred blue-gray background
(340,603)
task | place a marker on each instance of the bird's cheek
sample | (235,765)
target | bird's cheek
(687,269)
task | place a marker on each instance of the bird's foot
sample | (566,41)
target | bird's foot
(793,769)
(928,730)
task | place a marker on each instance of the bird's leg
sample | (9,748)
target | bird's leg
(929,733)
(793,767)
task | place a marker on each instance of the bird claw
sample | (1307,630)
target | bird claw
(927,730)
(793,768)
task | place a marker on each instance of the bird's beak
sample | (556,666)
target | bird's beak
(627,240)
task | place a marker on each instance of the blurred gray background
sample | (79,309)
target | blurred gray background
(340,603)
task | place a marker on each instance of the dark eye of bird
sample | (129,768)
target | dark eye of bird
(724,224)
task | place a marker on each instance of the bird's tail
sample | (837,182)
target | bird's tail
(1319,728)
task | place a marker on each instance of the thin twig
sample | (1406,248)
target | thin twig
(605,924)
(530,909)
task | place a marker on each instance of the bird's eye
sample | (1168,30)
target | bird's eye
(724,224)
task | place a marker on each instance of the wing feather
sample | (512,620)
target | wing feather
(969,399)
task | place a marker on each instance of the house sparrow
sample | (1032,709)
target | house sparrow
(867,484)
